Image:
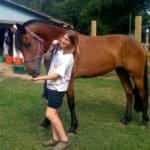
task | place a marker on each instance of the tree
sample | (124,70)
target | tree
(112,16)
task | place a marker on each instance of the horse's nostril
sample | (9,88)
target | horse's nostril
(33,73)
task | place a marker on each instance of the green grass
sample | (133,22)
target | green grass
(100,104)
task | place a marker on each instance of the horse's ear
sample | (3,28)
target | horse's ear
(21,28)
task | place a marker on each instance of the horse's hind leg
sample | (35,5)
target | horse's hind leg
(126,83)
(71,104)
(141,100)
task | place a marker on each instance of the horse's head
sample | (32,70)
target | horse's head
(31,46)
(33,38)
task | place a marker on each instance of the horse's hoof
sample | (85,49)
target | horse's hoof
(121,124)
(144,125)
(124,121)
(71,131)
(42,129)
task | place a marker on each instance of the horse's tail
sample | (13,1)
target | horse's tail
(138,105)
(146,89)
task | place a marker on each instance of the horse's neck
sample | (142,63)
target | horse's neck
(47,60)
(48,37)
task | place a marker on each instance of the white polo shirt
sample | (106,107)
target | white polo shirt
(61,64)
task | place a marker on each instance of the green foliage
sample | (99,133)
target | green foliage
(112,16)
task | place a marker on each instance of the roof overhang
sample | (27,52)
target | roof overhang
(47,17)
(10,22)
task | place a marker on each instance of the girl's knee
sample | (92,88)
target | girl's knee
(51,113)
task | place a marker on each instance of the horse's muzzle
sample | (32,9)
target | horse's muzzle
(33,73)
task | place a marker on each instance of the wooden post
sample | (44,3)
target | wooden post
(138,28)
(147,39)
(93,28)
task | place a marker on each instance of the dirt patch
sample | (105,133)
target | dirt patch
(7,70)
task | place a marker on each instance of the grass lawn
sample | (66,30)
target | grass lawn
(100,104)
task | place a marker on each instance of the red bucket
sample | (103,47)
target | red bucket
(9,60)
(18,60)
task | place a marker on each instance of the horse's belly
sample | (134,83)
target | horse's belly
(92,70)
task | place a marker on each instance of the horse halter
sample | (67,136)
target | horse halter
(39,43)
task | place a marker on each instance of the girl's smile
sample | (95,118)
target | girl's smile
(65,41)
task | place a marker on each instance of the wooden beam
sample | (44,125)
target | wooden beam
(93,28)
(138,28)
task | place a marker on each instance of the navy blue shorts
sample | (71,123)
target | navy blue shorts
(54,98)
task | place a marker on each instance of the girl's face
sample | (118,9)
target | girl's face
(65,41)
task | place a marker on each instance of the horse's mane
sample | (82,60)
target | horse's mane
(32,21)
(52,25)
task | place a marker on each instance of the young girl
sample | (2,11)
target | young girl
(57,84)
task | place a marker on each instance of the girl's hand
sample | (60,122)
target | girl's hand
(35,79)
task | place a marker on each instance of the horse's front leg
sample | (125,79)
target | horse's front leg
(71,104)
(128,112)
(126,83)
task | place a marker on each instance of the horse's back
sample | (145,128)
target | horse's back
(101,54)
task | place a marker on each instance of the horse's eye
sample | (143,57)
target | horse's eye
(27,44)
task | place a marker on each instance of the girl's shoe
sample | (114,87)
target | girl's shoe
(51,142)
(61,146)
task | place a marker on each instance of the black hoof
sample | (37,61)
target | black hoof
(45,123)
(121,124)
(72,130)
(144,125)
(42,128)
(124,121)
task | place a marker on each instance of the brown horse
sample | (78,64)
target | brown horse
(97,56)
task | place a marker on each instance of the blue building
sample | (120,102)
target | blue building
(12,12)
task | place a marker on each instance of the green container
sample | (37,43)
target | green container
(2,59)
(19,69)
